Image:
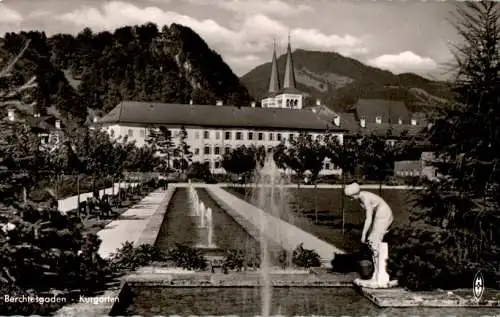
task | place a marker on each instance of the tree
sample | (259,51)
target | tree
(345,155)
(305,154)
(461,205)
(183,151)
(160,139)
(240,161)
(465,135)
(376,157)
(19,149)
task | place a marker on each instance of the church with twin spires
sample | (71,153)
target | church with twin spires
(284,95)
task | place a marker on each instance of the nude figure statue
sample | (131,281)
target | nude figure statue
(378,220)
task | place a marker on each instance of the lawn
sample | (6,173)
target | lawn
(301,213)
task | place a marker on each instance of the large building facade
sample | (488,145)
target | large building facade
(213,130)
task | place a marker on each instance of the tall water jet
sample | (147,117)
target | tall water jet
(267,180)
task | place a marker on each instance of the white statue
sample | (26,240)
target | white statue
(378,220)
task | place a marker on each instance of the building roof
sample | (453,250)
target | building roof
(43,123)
(274,79)
(224,116)
(289,80)
(390,111)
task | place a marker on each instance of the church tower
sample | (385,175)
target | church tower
(287,96)
(274,84)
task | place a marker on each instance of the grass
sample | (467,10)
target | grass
(301,213)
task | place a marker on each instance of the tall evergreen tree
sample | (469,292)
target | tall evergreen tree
(160,139)
(466,135)
(183,151)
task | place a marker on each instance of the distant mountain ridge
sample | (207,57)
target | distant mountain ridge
(340,81)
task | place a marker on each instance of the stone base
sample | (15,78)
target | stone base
(375,284)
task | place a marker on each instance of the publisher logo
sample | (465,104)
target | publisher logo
(478,287)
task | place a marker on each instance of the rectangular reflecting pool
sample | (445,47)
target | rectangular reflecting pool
(246,301)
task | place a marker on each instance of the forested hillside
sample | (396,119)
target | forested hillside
(98,70)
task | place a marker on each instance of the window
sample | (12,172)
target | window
(278,136)
(319,137)
(142,133)
(327,166)
(217,150)
(261,136)
(290,136)
(271,136)
(238,135)
(218,164)
(206,151)
(250,136)
(130,132)
(206,135)
(227,150)
(197,151)
(217,135)
(197,135)
(227,136)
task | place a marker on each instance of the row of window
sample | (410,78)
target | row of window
(217,150)
(250,136)
(408,173)
(218,164)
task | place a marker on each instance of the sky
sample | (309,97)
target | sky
(400,36)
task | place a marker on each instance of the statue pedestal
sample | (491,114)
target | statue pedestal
(380,278)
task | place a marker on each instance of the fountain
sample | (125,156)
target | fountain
(210,227)
(195,201)
(204,215)
(271,198)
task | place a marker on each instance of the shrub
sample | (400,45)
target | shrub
(200,171)
(43,251)
(129,258)
(305,258)
(186,257)
(27,308)
(427,259)
(48,250)
(239,260)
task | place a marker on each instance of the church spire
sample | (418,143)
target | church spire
(274,80)
(289,81)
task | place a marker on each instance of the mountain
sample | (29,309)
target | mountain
(98,70)
(340,81)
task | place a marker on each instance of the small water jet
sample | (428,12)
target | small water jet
(202,215)
(205,219)
(194,201)
(210,227)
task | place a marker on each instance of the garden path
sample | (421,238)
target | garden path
(71,203)
(131,225)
